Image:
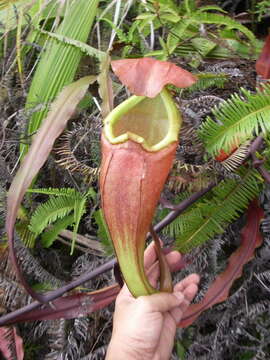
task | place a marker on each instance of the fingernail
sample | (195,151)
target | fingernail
(179,295)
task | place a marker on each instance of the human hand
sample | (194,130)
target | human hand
(144,328)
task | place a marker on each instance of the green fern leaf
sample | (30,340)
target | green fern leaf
(236,120)
(103,233)
(45,214)
(48,237)
(207,80)
(211,7)
(79,210)
(218,19)
(209,217)
(120,33)
(177,32)
(26,236)
(68,192)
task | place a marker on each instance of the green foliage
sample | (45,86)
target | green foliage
(26,235)
(262,8)
(60,61)
(69,192)
(236,120)
(65,207)
(183,24)
(50,211)
(48,237)
(207,80)
(224,48)
(214,212)
(103,233)
(130,37)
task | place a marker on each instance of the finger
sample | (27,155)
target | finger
(150,255)
(189,293)
(177,314)
(160,302)
(190,279)
(173,258)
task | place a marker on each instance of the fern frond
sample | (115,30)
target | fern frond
(236,120)
(53,209)
(48,237)
(67,159)
(209,217)
(103,233)
(68,192)
(222,52)
(79,210)
(177,33)
(237,158)
(207,80)
(26,236)
(189,177)
(5,3)
(211,7)
(218,19)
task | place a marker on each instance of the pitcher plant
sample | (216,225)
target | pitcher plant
(139,141)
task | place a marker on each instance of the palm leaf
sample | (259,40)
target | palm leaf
(60,61)
(209,217)
(236,120)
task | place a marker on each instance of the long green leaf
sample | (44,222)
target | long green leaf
(43,142)
(59,61)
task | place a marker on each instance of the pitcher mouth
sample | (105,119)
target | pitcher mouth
(152,122)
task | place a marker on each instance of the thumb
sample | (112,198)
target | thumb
(160,302)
